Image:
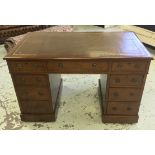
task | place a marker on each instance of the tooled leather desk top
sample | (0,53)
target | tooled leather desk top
(79,45)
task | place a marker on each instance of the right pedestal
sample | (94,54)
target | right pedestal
(121,91)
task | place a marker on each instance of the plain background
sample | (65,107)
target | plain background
(77,12)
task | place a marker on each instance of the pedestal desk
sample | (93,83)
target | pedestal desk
(37,62)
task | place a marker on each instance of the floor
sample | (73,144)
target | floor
(79,106)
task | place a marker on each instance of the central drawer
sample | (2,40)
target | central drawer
(77,67)
(124,94)
(33,93)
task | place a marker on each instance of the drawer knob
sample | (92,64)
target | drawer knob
(117,80)
(40,93)
(25,93)
(129,108)
(119,65)
(115,94)
(114,108)
(19,66)
(136,66)
(22,80)
(36,65)
(26,63)
(131,94)
(94,65)
(38,79)
(133,80)
(60,65)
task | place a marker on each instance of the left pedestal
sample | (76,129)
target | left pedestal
(37,91)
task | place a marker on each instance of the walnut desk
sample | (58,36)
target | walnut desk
(37,62)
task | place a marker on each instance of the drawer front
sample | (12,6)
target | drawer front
(35,107)
(124,94)
(129,67)
(32,93)
(27,67)
(36,80)
(77,67)
(126,80)
(123,108)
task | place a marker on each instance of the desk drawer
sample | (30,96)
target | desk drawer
(126,80)
(124,94)
(35,80)
(35,107)
(27,67)
(33,93)
(123,108)
(129,67)
(77,67)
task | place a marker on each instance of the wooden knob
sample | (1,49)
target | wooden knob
(115,94)
(128,108)
(38,79)
(60,65)
(19,66)
(25,93)
(36,65)
(133,80)
(40,93)
(136,66)
(94,65)
(22,80)
(131,94)
(114,108)
(119,65)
